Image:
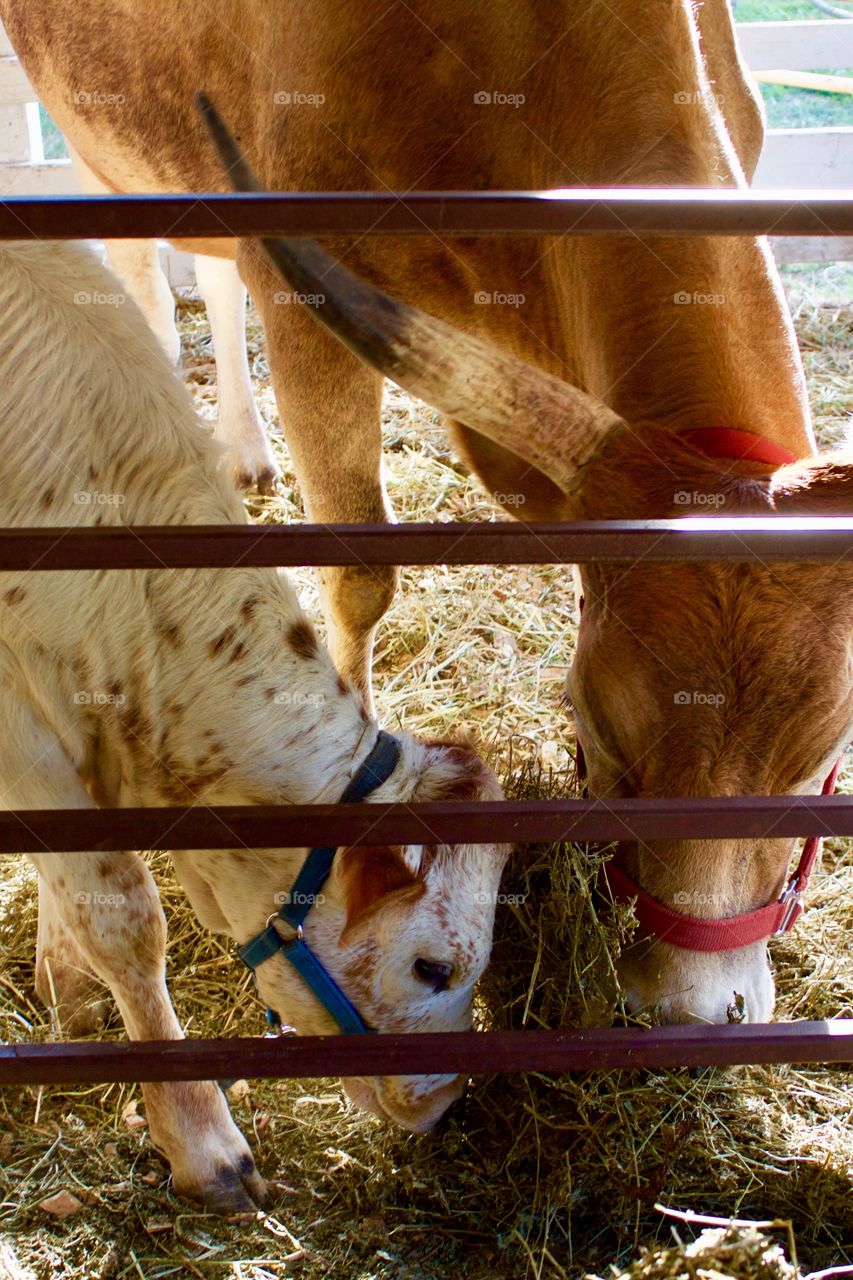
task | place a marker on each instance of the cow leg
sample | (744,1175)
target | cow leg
(108,904)
(330,408)
(137,265)
(239,426)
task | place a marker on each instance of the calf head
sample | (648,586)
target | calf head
(405,932)
(416,936)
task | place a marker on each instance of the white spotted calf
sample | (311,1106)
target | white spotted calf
(195,686)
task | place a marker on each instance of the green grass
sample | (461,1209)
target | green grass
(797,108)
(807,108)
(54,143)
(775,10)
(824,284)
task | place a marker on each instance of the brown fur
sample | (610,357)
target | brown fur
(302,639)
(599,86)
(472,779)
(371,877)
(222,641)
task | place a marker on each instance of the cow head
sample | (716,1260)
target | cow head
(710,680)
(405,932)
(690,680)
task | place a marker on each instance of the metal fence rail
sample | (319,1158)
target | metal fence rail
(292,826)
(222,546)
(471,1052)
(578,211)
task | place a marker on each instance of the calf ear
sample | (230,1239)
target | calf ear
(371,877)
(816,487)
(457,773)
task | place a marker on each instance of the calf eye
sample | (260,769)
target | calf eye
(433,973)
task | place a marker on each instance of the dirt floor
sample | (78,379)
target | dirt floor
(538,1177)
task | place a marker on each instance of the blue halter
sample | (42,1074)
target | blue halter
(314,873)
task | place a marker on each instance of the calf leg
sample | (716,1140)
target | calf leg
(65,983)
(239,425)
(108,904)
(330,406)
(137,265)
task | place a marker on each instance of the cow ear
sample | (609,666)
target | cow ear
(370,878)
(816,487)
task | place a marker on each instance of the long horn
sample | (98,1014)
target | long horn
(551,424)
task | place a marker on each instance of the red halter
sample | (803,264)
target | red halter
(695,933)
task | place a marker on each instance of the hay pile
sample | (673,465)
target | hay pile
(540,1177)
(743,1253)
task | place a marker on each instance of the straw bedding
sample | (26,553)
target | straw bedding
(537,1177)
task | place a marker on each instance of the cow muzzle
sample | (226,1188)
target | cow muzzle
(679,986)
(713,935)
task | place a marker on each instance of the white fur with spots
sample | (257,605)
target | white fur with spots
(125,688)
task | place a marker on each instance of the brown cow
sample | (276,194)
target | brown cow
(663,336)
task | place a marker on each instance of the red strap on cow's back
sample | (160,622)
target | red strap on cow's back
(727,442)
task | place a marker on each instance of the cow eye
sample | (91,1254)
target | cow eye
(433,973)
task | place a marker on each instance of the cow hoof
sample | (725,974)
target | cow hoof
(257,480)
(233,1190)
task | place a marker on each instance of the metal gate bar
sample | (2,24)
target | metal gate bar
(457,1052)
(575,211)
(292,826)
(740,540)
